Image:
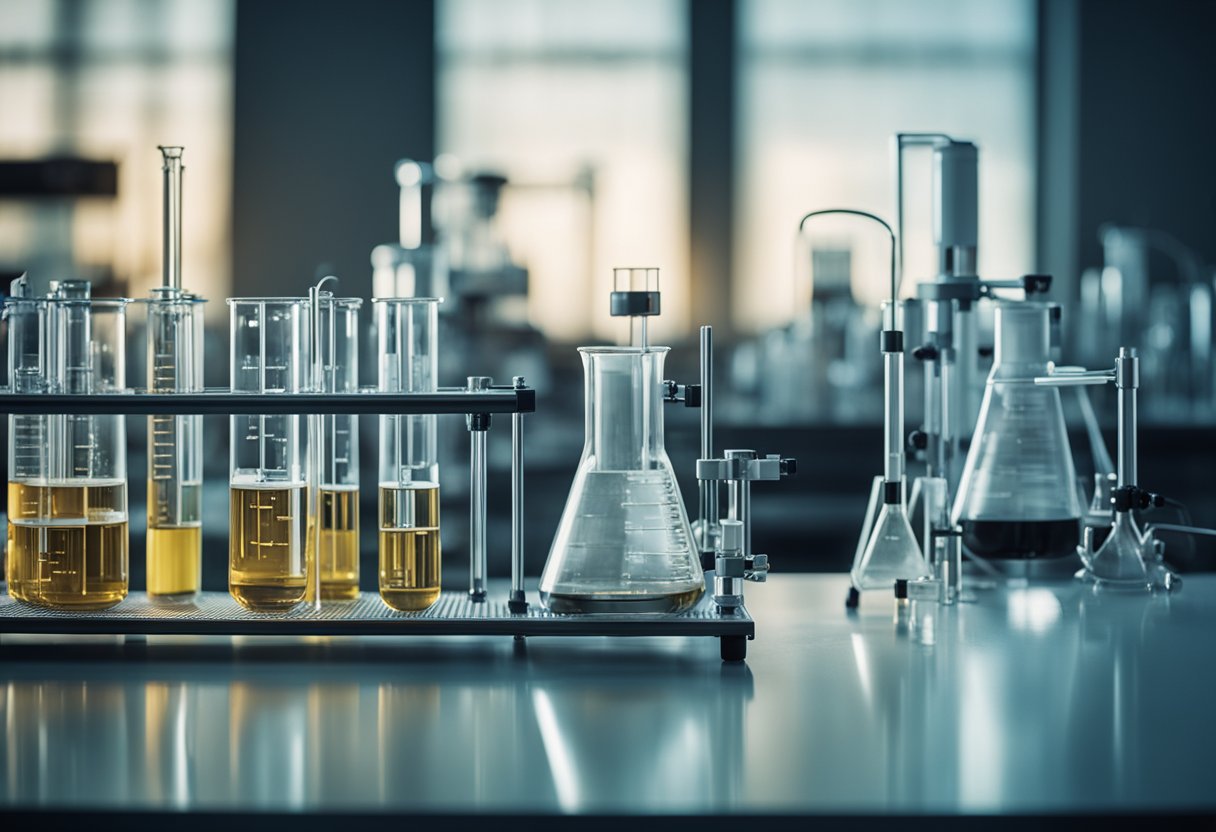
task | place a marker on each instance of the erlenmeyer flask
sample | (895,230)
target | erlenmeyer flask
(891,554)
(1017,497)
(624,543)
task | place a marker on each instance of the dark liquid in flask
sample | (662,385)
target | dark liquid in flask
(1023,539)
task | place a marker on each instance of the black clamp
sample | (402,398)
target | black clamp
(918,440)
(690,394)
(1131,497)
(633,304)
(1036,284)
(926,352)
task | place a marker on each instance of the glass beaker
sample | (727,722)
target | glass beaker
(67,489)
(337,535)
(270,353)
(623,543)
(408,362)
(1017,497)
(175,447)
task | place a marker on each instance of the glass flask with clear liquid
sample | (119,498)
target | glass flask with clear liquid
(1017,498)
(67,542)
(408,362)
(624,543)
(267,555)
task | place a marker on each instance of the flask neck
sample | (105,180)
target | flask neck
(624,408)
(1023,336)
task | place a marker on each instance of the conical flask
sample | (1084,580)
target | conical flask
(624,543)
(891,554)
(1017,497)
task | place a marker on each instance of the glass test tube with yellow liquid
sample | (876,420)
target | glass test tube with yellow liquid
(270,354)
(67,544)
(336,536)
(406,351)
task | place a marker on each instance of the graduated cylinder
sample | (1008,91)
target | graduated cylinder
(67,489)
(336,535)
(269,353)
(175,447)
(407,362)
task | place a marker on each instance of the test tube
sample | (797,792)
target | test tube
(337,536)
(406,349)
(67,493)
(270,353)
(175,448)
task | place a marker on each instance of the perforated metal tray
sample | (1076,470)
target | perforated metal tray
(216,613)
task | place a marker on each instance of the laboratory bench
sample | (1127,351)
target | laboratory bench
(1034,698)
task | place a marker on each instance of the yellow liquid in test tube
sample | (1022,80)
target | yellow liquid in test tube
(67,543)
(410,555)
(266,547)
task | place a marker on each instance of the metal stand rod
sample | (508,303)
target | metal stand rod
(1127,379)
(707,489)
(477,517)
(518,601)
(478,424)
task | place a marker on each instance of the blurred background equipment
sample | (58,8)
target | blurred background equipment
(689,135)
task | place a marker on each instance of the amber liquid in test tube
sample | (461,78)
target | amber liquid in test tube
(410,551)
(270,354)
(67,492)
(336,541)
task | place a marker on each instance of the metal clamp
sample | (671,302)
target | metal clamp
(734,561)
(690,394)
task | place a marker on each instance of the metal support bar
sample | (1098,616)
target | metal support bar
(517,602)
(478,424)
(707,489)
(1127,379)
(224,403)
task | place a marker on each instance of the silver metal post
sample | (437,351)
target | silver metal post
(517,601)
(478,424)
(740,498)
(708,490)
(1127,379)
(745,505)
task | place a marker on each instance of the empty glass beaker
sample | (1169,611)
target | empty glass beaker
(67,489)
(1017,497)
(410,556)
(623,543)
(270,353)
(175,447)
(337,534)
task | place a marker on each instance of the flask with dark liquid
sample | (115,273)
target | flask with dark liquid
(1017,497)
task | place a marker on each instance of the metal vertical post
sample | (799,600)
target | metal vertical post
(707,489)
(478,424)
(518,601)
(1127,379)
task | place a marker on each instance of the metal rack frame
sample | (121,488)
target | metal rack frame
(215,613)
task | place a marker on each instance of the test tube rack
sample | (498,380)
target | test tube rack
(477,613)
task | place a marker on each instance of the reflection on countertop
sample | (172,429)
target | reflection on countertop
(1043,698)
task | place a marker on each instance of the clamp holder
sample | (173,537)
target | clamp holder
(690,394)
(734,561)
